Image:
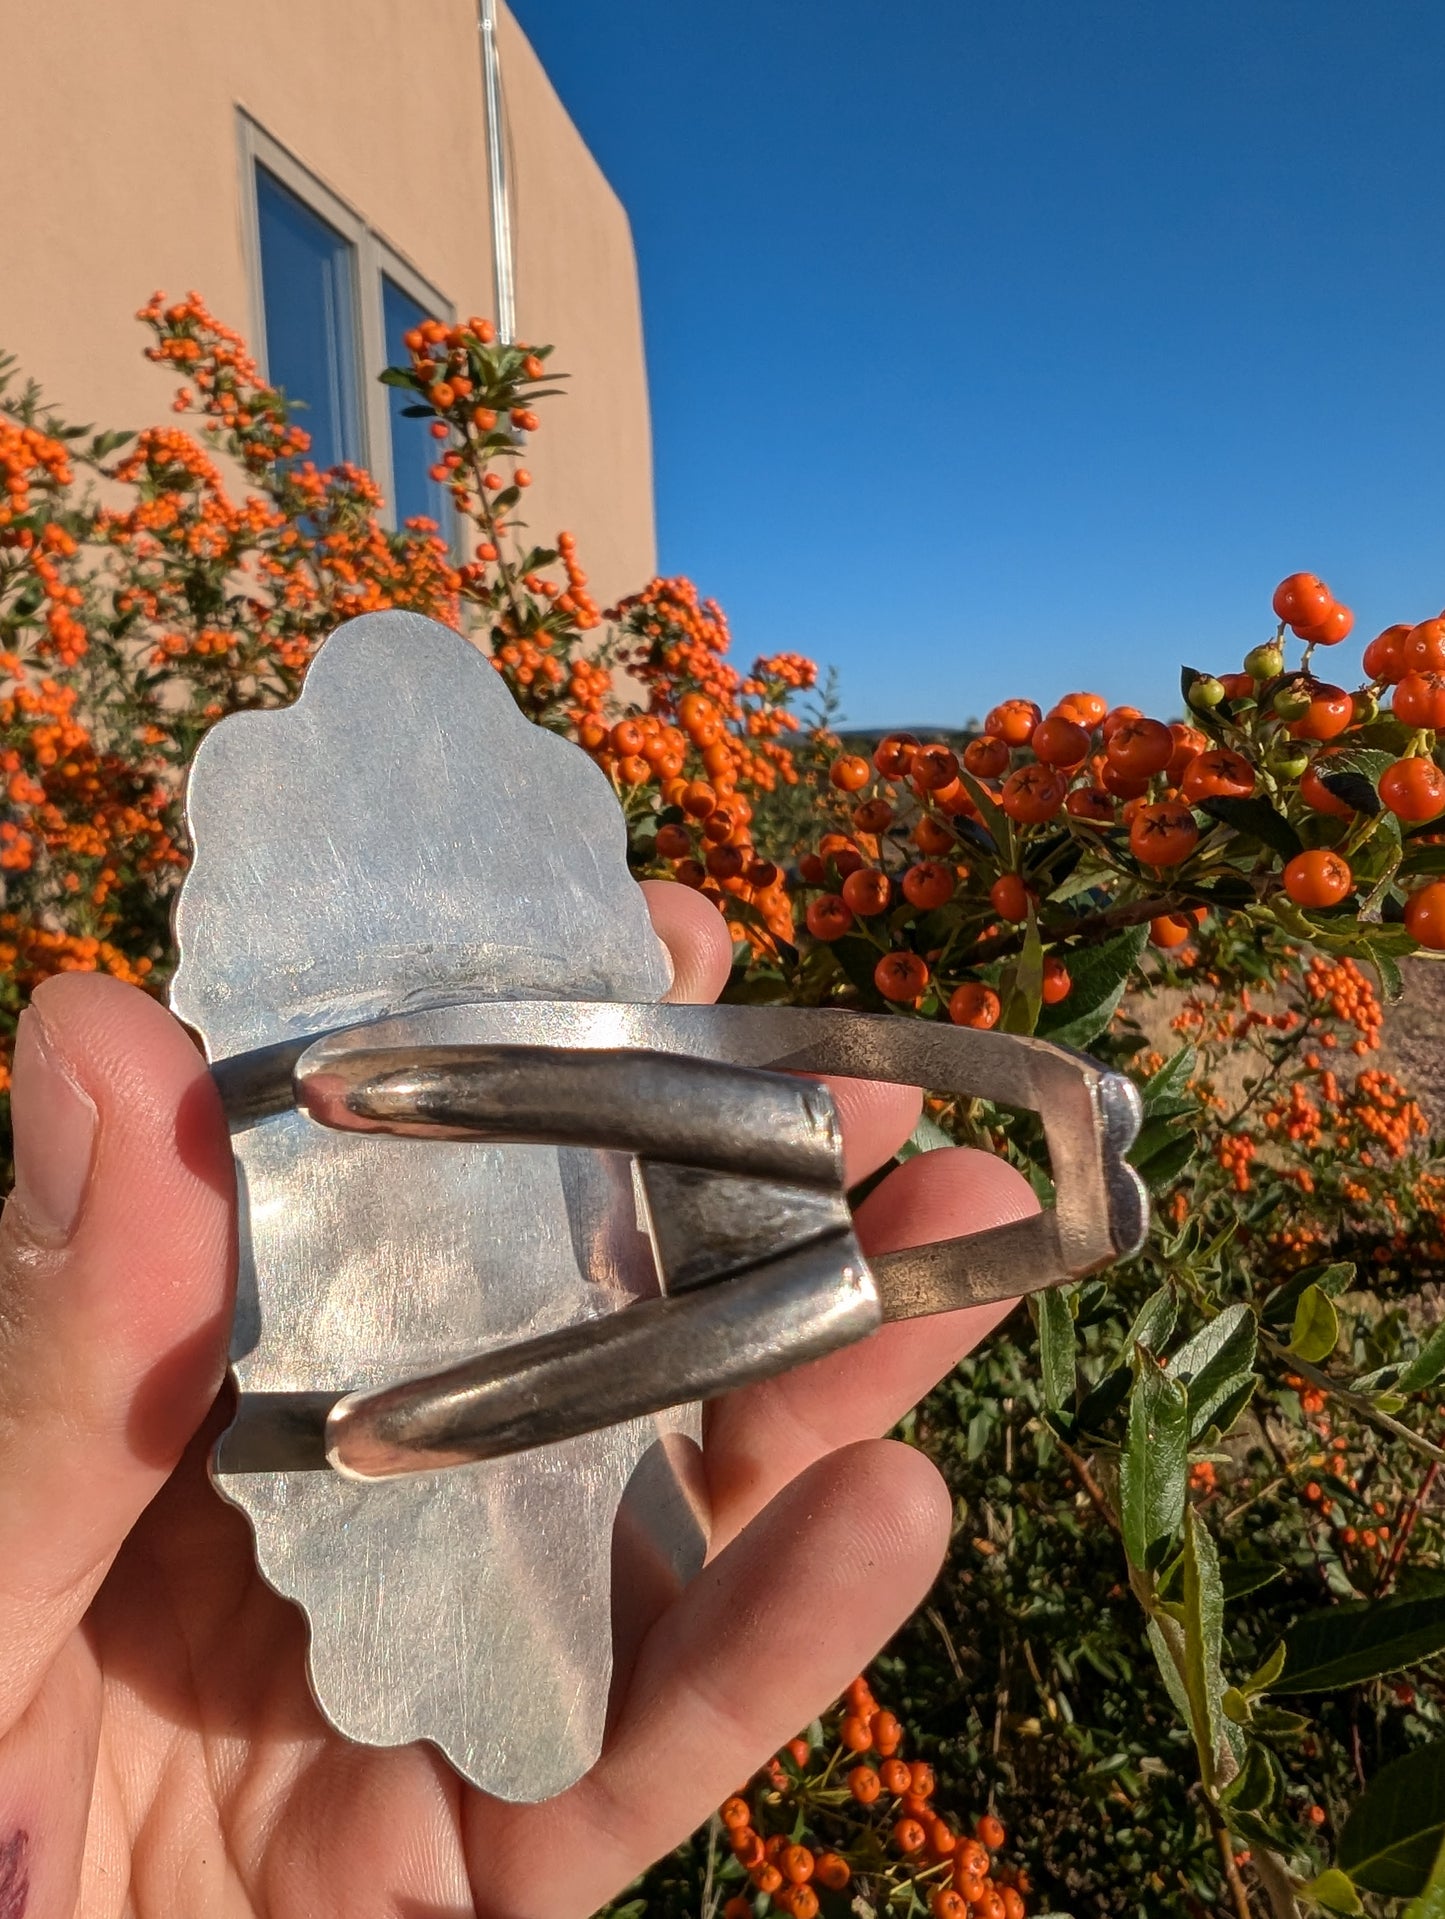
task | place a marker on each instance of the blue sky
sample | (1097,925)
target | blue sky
(1004,349)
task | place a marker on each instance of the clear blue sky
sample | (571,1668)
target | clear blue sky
(1004,346)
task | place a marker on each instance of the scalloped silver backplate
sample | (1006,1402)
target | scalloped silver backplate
(399,838)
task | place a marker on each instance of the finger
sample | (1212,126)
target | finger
(115,1272)
(696,937)
(756,1646)
(759,1438)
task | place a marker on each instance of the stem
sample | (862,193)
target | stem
(1275,1878)
(1407,1526)
(1237,1893)
(1357,1402)
(1091,1486)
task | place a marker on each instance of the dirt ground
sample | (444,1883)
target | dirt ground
(1414,1036)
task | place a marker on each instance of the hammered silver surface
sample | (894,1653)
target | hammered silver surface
(399,837)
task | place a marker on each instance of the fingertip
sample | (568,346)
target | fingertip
(696,937)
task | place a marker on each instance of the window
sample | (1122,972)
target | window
(308,271)
(413,450)
(330,303)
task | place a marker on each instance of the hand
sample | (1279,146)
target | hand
(159,1752)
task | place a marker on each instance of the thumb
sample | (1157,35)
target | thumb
(115,1275)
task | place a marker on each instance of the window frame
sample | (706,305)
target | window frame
(372,257)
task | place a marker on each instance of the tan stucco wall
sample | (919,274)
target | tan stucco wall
(139,187)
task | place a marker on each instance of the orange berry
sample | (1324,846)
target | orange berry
(767,1879)
(1057,983)
(1318,796)
(887,1733)
(1318,878)
(1033,794)
(945,1903)
(1333,626)
(1140,748)
(990,1832)
(1060,742)
(1414,789)
(932,768)
(973,1004)
(1163,834)
(1009,897)
(928,885)
(1217,773)
(909,1836)
(798,1750)
(1166,932)
(832,1871)
(867,892)
(864,1783)
(796,1863)
(1013,1904)
(1425,916)
(893,753)
(1302,597)
(986,758)
(1013,722)
(896,1775)
(673,842)
(850,772)
(873,816)
(1384,656)
(1420,700)
(735,1812)
(1330,711)
(698,799)
(829,918)
(900,977)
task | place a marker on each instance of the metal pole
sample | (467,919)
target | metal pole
(503,280)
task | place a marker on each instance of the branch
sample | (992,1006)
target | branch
(1357,1402)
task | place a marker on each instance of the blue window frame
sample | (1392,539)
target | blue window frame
(413,451)
(308,292)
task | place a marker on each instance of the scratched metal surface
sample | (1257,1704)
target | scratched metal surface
(400,836)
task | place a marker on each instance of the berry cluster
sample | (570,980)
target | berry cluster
(850,1810)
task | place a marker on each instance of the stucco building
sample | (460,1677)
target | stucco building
(322,172)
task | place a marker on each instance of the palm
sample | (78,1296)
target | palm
(160,1754)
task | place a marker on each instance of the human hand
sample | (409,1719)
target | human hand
(160,1755)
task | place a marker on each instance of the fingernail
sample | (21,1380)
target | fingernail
(55,1126)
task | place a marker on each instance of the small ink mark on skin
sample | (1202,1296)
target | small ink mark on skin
(15,1874)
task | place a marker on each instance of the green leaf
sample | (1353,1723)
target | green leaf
(1316,1326)
(1023,987)
(1426,1366)
(1243,1576)
(1056,1347)
(1431,1903)
(1155,1321)
(1154,1470)
(1253,1786)
(1342,1645)
(1258,820)
(1394,1833)
(397,376)
(1215,1364)
(1336,1278)
(1203,1641)
(1165,1096)
(995,820)
(927,1137)
(1392,980)
(1163,1167)
(1101,1402)
(1265,1676)
(1100,975)
(1334,1890)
